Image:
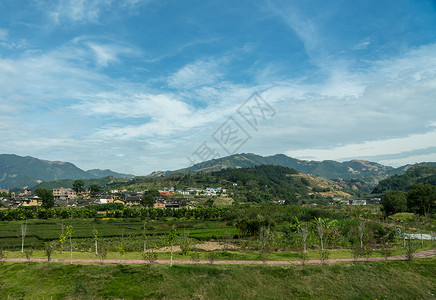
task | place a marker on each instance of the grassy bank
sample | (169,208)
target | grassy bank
(364,280)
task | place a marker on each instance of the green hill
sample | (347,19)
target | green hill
(366,173)
(425,174)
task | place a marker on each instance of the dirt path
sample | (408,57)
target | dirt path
(425,253)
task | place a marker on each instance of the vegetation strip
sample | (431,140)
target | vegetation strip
(421,254)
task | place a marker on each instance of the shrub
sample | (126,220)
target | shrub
(211,257)
(29,253)
(324,255)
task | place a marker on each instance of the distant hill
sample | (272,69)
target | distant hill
(17,172)
(414,174)
(357,172)
(68,183)
(263,183)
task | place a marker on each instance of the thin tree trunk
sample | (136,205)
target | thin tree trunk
(23,235)
(96,250)
(71,251)
(171,261)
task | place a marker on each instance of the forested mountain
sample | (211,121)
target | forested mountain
(366,173)
(26,172)
(425,174)
(258,184)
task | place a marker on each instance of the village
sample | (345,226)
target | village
(67,197)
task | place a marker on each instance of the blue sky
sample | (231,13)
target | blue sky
(139,86)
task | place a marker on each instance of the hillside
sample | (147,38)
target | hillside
(357,173)
(263,183)
(425,174)
(17,172)
(68,183)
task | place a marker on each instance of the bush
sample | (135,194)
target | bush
(211,257)
(195,256)
(150,256)
(386,252)
(324,255)
(29,253)
(410,249)
(49,248)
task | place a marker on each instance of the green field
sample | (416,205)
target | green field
(110,231)
(363,280)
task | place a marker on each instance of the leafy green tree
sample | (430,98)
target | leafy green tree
(421,199)
(46,197)
(94,189)
(148,198)
(394,202)
(78,186)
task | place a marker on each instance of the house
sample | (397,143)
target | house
(64,194)
(132,200)
(357,202)
(159,205)
(103,199)
(29,201)
(166,193)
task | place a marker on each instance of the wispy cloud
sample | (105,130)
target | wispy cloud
(3,34)
(196,74)
(361,45)
(78,10)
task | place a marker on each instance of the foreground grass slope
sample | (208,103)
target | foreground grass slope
(365,280)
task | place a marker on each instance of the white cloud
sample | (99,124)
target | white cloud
(78,10)
(361,45)
(106,54)
(3,34)
(370,148)
(197,74)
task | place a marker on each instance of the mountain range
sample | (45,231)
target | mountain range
(18,172)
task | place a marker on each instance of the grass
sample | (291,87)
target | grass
(363,280)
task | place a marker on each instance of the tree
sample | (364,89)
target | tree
(95,233)
(321,231)
(172,234)
(394,202)
(421,199)
(361,233)
(23,234)
(144,235)
(304,232)
(62,238)
(70,232)
(94,189)
(266,241)
(49,248)
(148,198)
(78,186)
(46,197)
